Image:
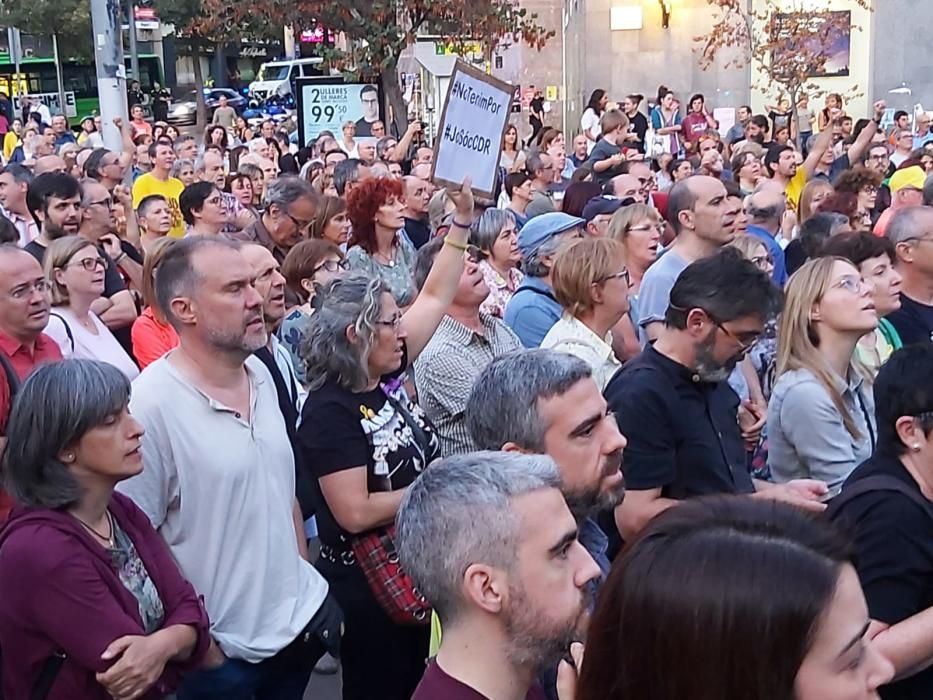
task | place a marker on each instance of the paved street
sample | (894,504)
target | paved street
(323,687)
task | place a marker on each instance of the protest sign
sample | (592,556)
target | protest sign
(471,130)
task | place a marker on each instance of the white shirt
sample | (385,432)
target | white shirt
(220,489)
(573,337)
(589,123)
(27,227)
(78,342)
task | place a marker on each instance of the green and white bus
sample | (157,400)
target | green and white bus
(37,75)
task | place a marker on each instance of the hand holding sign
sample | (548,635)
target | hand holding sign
(462,197)
(472,127)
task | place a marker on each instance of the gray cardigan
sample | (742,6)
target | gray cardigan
(806,436)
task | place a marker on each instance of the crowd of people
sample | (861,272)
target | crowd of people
(268,409)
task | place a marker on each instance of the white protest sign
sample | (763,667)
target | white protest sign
(471,129)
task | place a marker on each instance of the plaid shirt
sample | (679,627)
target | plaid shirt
(446,369)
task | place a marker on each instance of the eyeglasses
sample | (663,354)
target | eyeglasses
(648,227)
(870,189)
(23,291)
(763,261)
(879,157)
(300,225)
(851,283)
(90,264)
(745,345)
(331,266)
(392,323)
(621,274)
(102,202)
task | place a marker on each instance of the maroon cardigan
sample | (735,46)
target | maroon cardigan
(59,592)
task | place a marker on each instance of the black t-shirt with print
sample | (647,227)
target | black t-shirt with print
(335,436)
(893,538)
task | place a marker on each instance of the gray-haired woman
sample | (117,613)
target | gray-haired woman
(365,442)
(91,600)
(495,233)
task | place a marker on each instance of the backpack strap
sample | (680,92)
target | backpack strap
(880,482)
(12,379)
(71,336)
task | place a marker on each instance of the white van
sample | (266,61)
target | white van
(277,77)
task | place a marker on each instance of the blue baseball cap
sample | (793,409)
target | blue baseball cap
(540,228)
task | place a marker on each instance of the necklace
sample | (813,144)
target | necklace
(109,539)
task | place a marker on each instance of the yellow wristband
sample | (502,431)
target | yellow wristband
(454,244)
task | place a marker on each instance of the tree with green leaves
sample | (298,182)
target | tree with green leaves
(377,32)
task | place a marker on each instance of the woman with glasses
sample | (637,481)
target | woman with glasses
(821,422)
(591,282)
(92,599)
(638,228)
(75,270)
(152,335)
(308,266)
(331,222)
(495,234)
(864,184)
(365,441)
(378,244)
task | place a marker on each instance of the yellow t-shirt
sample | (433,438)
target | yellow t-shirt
(795,188)
(10,142)
(147,184)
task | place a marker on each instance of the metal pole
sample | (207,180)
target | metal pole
(134,53)
(111,71)
(58,74)
(13,41)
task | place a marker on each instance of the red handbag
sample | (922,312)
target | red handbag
(392,587)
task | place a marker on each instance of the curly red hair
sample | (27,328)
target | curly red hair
(363,203)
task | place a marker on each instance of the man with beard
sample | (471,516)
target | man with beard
(54,201)
(686,426)
(510,604)
(219,483)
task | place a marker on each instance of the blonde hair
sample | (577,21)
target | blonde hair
(580,265)
(805,207)
(57,255)
(747,244)
(798,341)
(612,120)
(154,256)
(626,217)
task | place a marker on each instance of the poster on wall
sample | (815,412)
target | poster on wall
(824,43)
(327,103)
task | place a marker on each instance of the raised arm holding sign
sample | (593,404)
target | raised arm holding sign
(472,127)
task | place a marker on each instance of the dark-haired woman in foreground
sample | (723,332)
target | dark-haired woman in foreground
(91,601)
(732,599)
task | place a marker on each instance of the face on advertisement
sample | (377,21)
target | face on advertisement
(369,99)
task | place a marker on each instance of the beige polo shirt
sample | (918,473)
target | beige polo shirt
(220,490)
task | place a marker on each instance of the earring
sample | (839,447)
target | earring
(915,447)
(69,457)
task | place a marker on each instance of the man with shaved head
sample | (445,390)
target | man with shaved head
(417,195)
